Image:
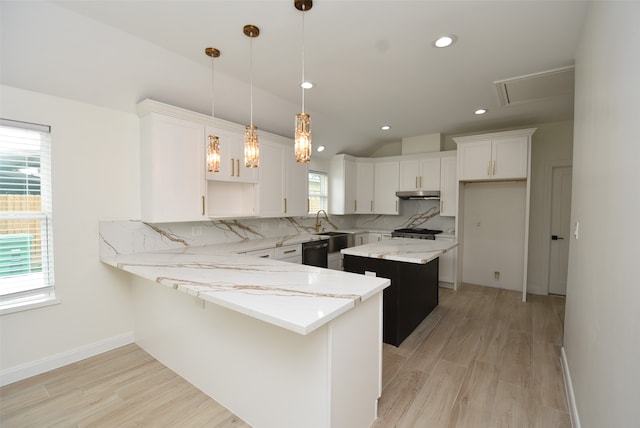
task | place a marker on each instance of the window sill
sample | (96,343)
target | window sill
(14,306)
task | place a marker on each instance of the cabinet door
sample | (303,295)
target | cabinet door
(386,180)
(446,263)
(270,190)
(364,188)
(510,158)
(342,185)
(296,185)
(409,175)
(232,167)
(448,185)
(474,160)
(362,238)
(429,178)
(173,179)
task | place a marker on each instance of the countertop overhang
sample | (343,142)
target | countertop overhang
(403,250)
(295,297)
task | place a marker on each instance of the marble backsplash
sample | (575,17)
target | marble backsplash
(134,236)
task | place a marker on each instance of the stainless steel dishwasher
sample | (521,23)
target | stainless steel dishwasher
(314,253)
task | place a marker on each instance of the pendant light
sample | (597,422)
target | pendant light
(251,145)
(303,120)
(213,147)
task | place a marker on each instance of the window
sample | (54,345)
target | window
(26,252)
(318,196)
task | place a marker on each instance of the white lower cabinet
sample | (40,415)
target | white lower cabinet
(334,260)
(267,253)
(447,264)
(289,253)
(377,236)
(362,238)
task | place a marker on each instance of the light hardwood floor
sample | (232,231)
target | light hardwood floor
(481,359)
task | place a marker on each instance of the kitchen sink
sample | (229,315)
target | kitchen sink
(338,240)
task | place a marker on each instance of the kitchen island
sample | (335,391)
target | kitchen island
(412,267)
(278,344)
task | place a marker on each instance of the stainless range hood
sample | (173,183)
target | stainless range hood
(418,194)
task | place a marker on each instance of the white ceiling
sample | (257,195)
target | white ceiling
(373,62)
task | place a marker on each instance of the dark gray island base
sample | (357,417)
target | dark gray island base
(412,295)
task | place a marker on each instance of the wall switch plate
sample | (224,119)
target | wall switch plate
(576,230)
(496,275)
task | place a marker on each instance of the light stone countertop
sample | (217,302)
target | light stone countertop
(403,250)
(295,297)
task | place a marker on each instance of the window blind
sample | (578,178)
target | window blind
(26,248)
(318,191)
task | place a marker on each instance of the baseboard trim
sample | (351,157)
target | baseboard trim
(568,386)
(52,362)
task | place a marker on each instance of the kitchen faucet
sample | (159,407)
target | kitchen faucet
(319,220)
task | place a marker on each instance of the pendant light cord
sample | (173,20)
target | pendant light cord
(213,105)
(302,83)
(251,78)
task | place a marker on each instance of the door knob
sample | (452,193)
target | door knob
(556,237)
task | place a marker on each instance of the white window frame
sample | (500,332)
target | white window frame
(30,289)
(324,193)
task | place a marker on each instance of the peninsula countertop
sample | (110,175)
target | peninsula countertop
(295,297)
(403,250)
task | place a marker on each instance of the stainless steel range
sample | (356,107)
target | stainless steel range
(415,233)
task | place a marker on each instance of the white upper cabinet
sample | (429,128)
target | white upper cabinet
(232,167)
(282,188)
(342,185)
(498,156)
(420,174)
(448,187)
(172,166)
(386,181)
(364,187)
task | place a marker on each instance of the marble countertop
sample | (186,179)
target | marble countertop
(403,250)
(295,297)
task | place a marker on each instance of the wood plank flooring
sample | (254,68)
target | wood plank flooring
(481,359)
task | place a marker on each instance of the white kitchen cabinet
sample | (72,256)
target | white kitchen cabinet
(386,181)
(282,186)
(420,174)
(493,157)
(232,166)
(342,185)
(172,167)
(267,253)
(289,253)
(379,236)
(447,264)
(448,186)
(362,238)
(334,261)
(364,186)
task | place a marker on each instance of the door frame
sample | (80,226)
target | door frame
(549,167)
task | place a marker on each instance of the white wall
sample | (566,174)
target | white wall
(494,233)
(602,321)
(94,175)
(552,146)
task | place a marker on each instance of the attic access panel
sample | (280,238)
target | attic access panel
(537,86)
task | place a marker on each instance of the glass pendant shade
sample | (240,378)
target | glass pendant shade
(213,154)
(251,148)
(303,138)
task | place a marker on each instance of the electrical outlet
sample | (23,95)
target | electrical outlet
(496,275)
(196,230)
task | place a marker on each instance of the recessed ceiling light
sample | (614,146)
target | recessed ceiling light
(445,41)
(320,148)
(480,111)
(385,127)
(306,85)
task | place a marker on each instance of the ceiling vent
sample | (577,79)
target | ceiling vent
(537,86)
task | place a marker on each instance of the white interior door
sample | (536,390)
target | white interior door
(560,224)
